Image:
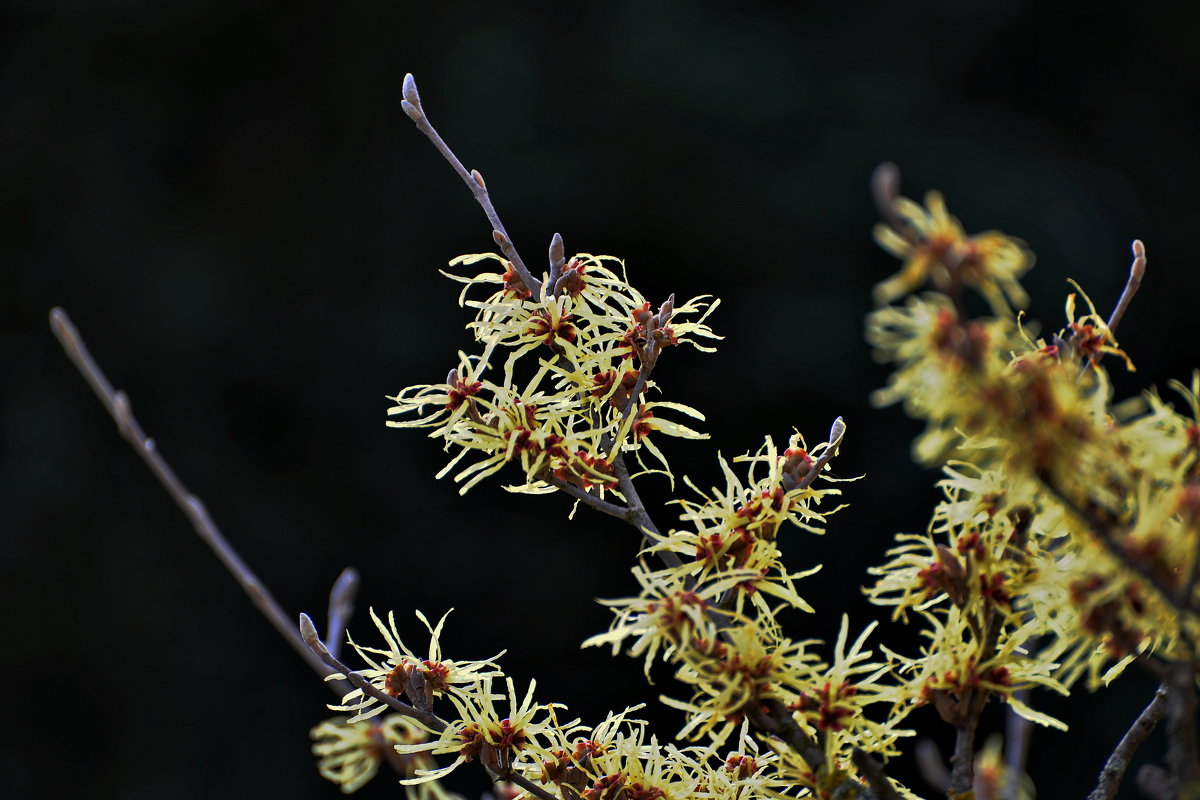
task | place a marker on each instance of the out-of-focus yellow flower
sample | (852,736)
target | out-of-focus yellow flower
(935,249)
(349,753)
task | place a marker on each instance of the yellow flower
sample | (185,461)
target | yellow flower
(513,742)
(349,753)
(750,664)
(956,664)
(670,613)
(402,672)
(935,248)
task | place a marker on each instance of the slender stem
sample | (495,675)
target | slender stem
(308,635)
(1118,761)
(117,404)
(412,106)
(1136,271)
(962,763)
(587,498)
(872,770)
(341,608)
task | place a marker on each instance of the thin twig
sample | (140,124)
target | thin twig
(587,498)
(1118,762)
(872,770)
(309,637)
(412,106)
(341,608)
(117,404)
(1136,270)
(962,763)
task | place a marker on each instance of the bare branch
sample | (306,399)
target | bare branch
(962,763)
(341,608)
(587,498)
(1118,761)
(118,406)
(412,106)
(1136,270)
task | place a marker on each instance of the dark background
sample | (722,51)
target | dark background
(230,203)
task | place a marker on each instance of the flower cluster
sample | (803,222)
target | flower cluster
(594,339)
(1062,547)
(1066,544)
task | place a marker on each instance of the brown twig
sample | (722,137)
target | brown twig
(341,608)
(412,107)
(962,763)
(1118,761)
(117,404)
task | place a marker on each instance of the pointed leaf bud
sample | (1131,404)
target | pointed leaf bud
(410,91)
